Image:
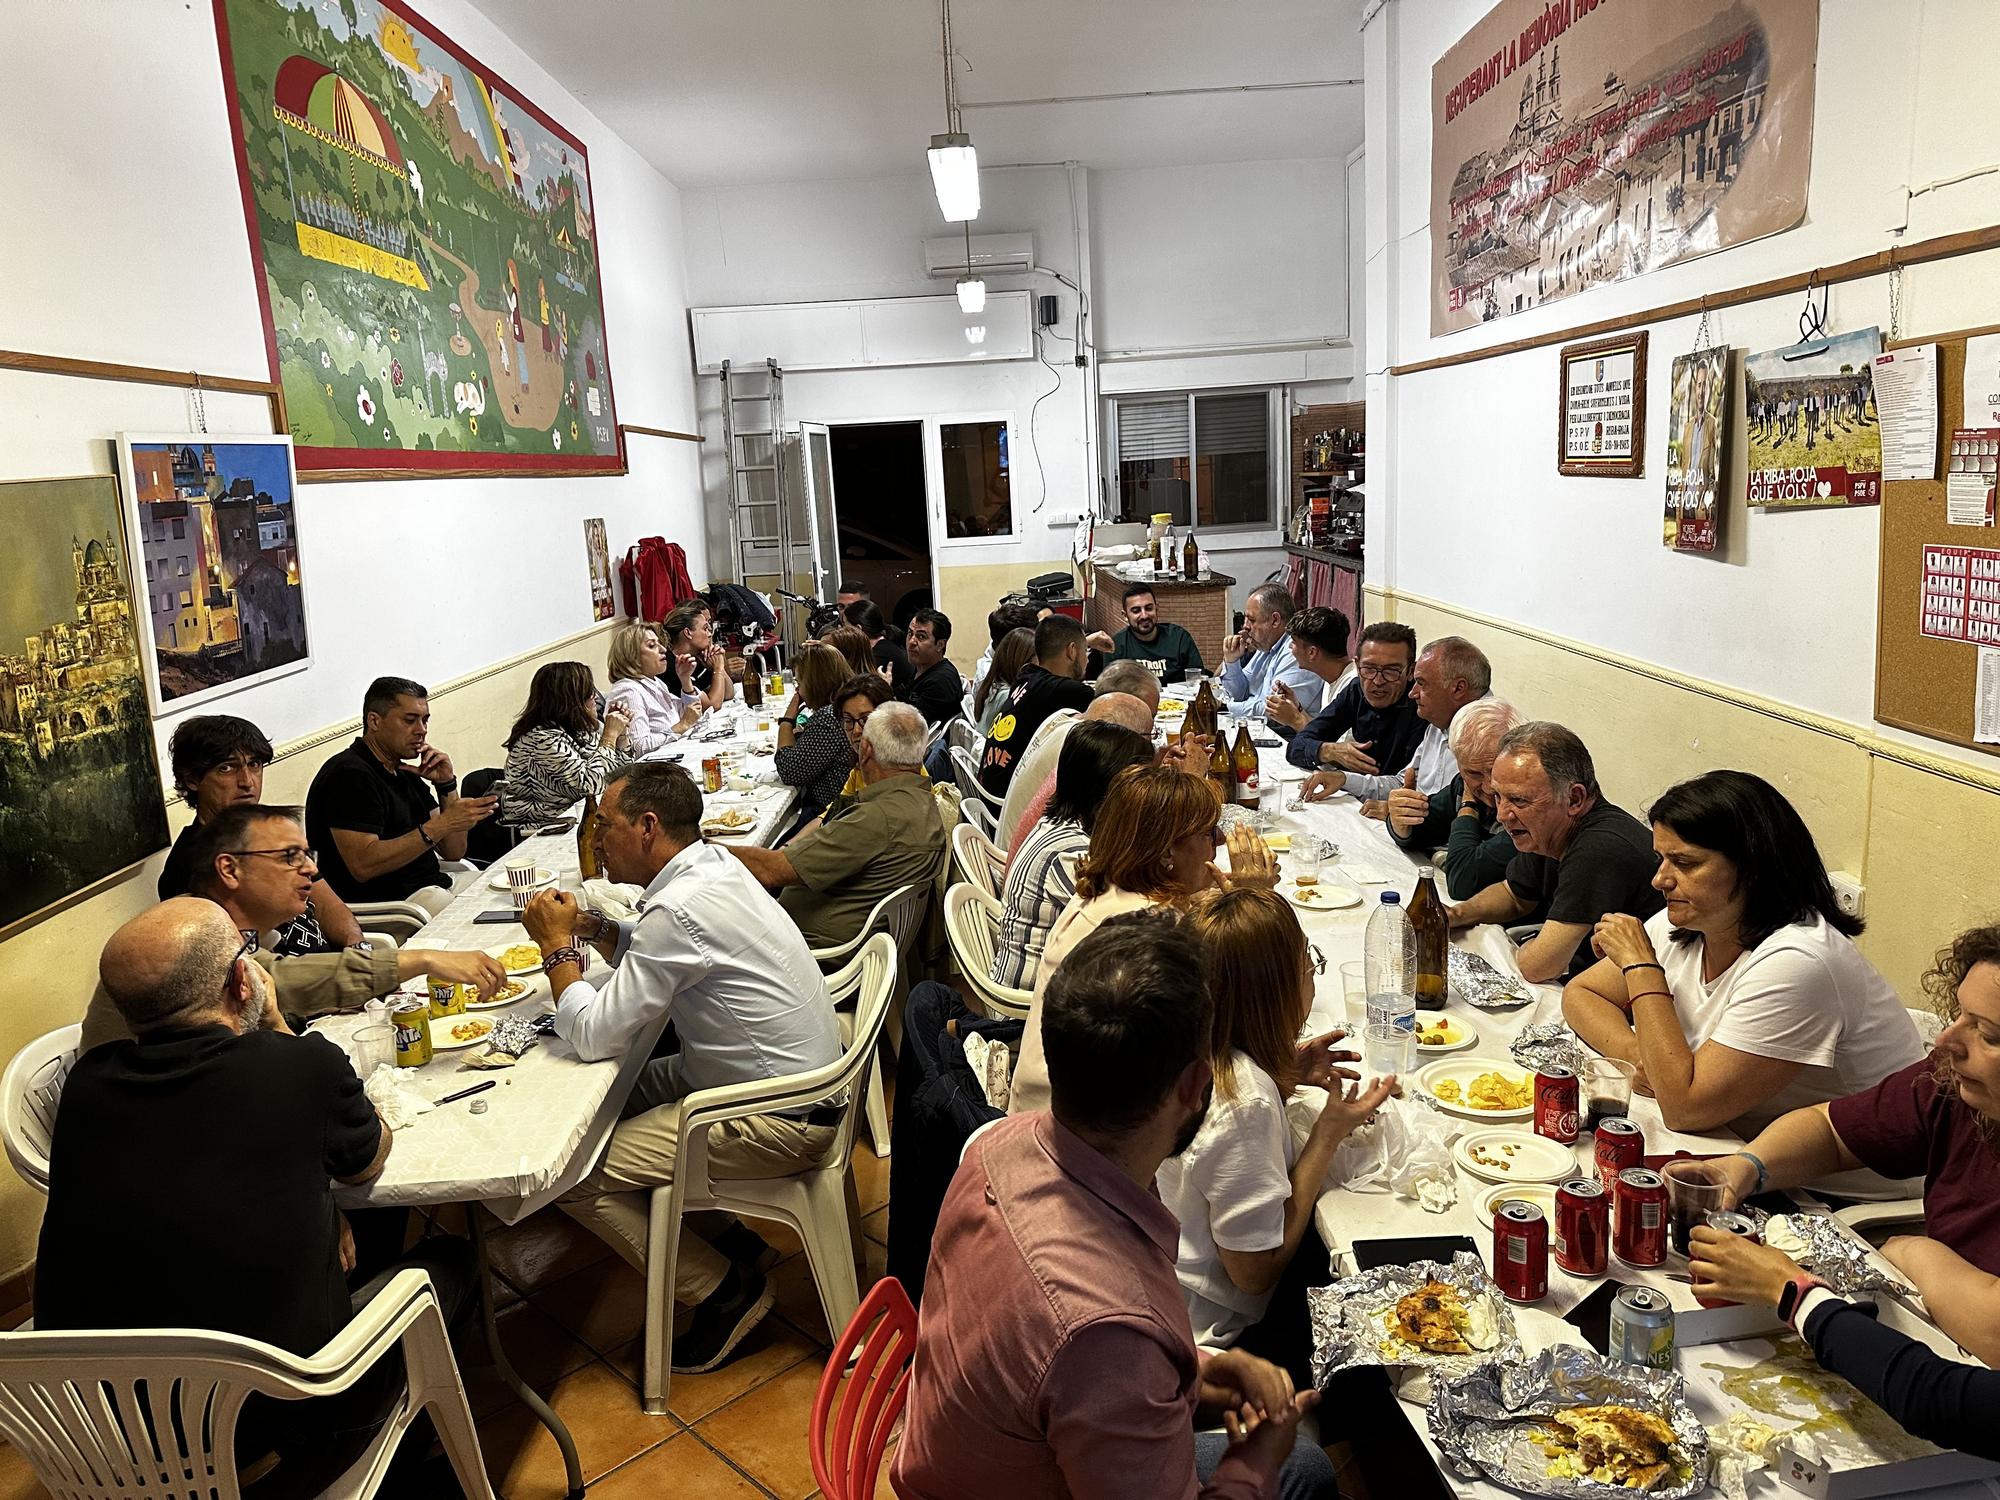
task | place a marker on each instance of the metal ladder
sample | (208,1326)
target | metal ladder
(760,522)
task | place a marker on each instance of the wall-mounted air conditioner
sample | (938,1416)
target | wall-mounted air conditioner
(992,255)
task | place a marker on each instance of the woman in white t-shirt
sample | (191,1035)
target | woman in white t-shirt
(1243,1192)
(1745,997)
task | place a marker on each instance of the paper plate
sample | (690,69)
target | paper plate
(1463,1036)
(1323,897)
(543,876)
(521,963)
(443,1041)
(524,988)
(1533,1158)
(1463,1070)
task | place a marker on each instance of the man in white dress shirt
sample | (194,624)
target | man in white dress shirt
(1450,673)
(710,949)
(1256,661)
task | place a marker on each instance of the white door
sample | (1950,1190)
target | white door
(822,525)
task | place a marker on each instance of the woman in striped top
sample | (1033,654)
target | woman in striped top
(558,751)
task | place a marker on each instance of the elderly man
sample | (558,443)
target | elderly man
(708,950)
(215,1135)
(1255,662)
(1136,692)
(381,827)
(1054,1352)
(935,690)
(1450,673)
(1579,858)
(1460,818)
(1374,711)
(252,862)
(1166,649)
(1052,681)
(831,878)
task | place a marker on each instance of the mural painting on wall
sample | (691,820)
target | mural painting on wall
(1578,142)
(426,242)
(1815,435)
(214,532)
(80,796)
(598,552)
(1697,419)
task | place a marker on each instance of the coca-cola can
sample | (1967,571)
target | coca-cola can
(1557,1103)
(1731,1222)
(1639,1217)
(1581,1238)
(1520,1251)
(1620,1144)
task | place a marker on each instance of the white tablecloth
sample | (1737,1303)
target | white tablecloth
(547,1117)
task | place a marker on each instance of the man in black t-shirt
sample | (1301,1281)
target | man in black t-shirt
(191,1174)
(866,616)
(381,828)
(1580,857)
(1053,680)
(936,690)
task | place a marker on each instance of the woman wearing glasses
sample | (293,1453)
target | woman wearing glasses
(1243,1192)
(815,755)
(218,761)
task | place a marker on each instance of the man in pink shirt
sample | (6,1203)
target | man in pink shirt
(1054,1354)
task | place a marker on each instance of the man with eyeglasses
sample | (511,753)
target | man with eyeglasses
(1450,673)
(253,862)
(1374,710)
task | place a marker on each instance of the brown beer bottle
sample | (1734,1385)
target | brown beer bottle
(1190,558)
(753,683)
(586,838)
(1433,939)
(1201,712)
(1222,769)
(1245,758)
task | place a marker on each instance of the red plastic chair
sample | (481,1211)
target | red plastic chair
(880,1340)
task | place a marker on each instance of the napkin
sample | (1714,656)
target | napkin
(396,1098)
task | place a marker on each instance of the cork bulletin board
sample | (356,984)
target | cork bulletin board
(1922,683)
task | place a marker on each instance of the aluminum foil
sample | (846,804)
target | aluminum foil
(1485,1421)
(514,1035)
(1831,1254)
(1348,1317)
(1477,982)
(1548,1042)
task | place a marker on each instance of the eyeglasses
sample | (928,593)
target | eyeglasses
(1381,674)
(852,724)
(292,856)
(1318,958)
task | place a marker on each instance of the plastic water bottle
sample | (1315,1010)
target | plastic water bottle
(1390,964)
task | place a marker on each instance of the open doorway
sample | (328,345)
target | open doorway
(883,513)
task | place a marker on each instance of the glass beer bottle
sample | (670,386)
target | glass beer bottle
(1248,792)
(1201,712)
(1433,940)
(586,838)
(1222,769)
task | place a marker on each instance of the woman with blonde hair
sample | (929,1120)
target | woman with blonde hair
(1153,844)
(853,646)
(657,714)
(688,638)
(813,750)
(1243,1192)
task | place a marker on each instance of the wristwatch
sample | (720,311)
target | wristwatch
(1795,1293)
(445,788)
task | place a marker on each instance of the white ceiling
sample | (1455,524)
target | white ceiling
(724,92)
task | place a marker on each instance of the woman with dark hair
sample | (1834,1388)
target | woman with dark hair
(696,669)
(816,757)
(218,761)
(1041,877)
(884,649)
(1940,1117)
(1746,996)
(1015,651)
(557,751)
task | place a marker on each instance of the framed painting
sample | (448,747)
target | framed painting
(80,797)
(426,249)
(1601,408)
(213,531)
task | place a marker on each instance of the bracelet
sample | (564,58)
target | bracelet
(567,954)
(425,834)
(446,788)
(1763,1172)
(1630,967)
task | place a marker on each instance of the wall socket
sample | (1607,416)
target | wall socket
(1848,893)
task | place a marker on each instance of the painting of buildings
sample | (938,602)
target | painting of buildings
(80,797)
(215,543)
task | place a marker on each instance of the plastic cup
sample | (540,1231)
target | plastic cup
(1387,1049)
(520,872)
(370,1047)
(1354,995)
(1308,855)
(1691,1198)
(1607,1089)
(523,894)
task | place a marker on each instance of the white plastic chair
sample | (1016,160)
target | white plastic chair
(899,914)
(965,771)
(812,1201)
(975,812)
(963,734)
(74,1403)
(978,858)
(937,732)
(972,923)
(401,920)
(30,1090)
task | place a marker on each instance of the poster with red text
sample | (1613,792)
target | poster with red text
(1697,415)
(1809,411)
(1578,142)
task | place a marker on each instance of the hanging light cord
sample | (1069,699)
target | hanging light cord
(951,119)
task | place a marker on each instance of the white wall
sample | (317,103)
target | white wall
(1465,504)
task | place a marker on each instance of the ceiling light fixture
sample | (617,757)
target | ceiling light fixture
(954,163)
(971,289)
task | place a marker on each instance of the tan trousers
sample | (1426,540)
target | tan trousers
(612,1202)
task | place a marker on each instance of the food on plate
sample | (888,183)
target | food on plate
(1487,1091)
(1618,1445)
(1309,895)
(1439,1033)
(518,956)
(513,989)
(1500,1159)
(471,1030)
(731,817)
(1436,1319)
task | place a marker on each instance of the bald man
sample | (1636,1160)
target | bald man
(217,1134)
(1137,694)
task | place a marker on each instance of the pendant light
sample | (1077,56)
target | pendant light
(954,164)
(971,289)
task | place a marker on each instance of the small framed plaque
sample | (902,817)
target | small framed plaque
(1601,408)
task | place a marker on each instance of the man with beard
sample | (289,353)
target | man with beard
(219,1134)
(1054,1354)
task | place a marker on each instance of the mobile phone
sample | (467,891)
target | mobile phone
(1592,1316)
(498,914)
(1408,1250)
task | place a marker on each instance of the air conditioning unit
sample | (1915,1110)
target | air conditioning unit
(991,255)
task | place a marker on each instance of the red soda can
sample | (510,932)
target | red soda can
(1731,1222)
(1620,1144)
(1556,1103)
(1520,1251)
(1582,1235)
(1639,1217)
